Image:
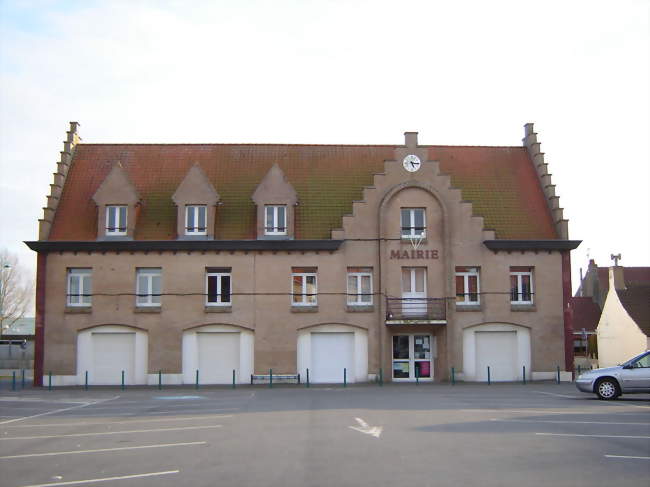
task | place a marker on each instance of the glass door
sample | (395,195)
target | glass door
(412,357)
(414,291)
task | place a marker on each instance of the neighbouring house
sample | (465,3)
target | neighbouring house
(614,317)
(213,262)
(17,347)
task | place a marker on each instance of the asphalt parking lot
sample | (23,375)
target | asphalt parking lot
(399,434)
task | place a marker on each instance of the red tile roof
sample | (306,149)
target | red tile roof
(631,275)
(501,182)
(636,301)
(586,314)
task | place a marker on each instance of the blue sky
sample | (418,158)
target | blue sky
(339,72)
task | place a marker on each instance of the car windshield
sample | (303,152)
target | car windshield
(634,359)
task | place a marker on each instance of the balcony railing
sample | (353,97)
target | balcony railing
(424,309)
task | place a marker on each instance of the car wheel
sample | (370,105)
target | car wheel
(607,389)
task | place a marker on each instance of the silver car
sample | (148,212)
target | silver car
(630,377)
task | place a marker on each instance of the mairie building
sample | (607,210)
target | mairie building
(212,263)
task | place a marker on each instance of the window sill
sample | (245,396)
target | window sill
(148,309)
(522,307)
(218,309)
(304,309)
(78,310)
(468,307)
(361,308)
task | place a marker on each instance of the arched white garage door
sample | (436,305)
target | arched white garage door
(216,351)
(109,352)
(326,350)
(504,348)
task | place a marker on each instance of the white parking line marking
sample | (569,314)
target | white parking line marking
(623,456)
(73,452)
(57,411)
(90,423)
(109,433)
(154,413)
(563,422)
(592,436)
(557,395)
(89,481)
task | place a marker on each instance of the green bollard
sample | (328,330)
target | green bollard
(558,374)
(417,377)
(13,380)
(270,378)
(233,378)
(453,376)
(579,370)
(86,381)
(524,376)
(381,377)
(197,379)
(49,381)
(345,377)
(307,383)
(159,380)
(489,381)
(22,380)
(122,380)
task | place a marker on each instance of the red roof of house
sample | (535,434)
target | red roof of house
(500,182)
(636,301)
(586,314)
(631,275)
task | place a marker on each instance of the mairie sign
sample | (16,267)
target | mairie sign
(414,254)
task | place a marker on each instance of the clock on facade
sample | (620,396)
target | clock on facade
(411,163)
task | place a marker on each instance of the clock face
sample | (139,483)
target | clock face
(411,163)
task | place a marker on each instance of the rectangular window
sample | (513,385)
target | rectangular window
(148,286)
(116,220)
(413,223)
(467,286)
(275,220)
(218,284)
(359,286)
(521,285)
(195,220)
(303,286)
(80,287)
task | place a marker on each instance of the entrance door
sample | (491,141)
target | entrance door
(414,291)
(412,357)
(218,357)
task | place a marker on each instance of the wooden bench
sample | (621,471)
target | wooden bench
(278,378)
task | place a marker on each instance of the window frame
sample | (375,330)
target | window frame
(355,298)
(520,274)
(274,229)
(411,223)
(466,295)
(304,295)
(83,273)
(150,273)
(196,229)
(119,224)
(219,275)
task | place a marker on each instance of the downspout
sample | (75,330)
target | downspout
(568,318)
(39,338)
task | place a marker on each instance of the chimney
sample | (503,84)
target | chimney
(411,139)
(616,277)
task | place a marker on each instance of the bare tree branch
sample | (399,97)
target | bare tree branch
(16,290)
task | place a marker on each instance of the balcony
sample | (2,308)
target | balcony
(411,311)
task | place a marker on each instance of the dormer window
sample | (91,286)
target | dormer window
(276,220)
(116,219)
(195,220)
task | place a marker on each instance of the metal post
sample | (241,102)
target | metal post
(159,379)
(49,380)
(122,380)
(524,376)
(579,370)
(86,381)
(307,383)
(345,377)
(22,380)
(233,378)
(197,379)
(417,377)
(270,378)
(13,380)
(558,374)
(381,376)
(453,376)
(489,381)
